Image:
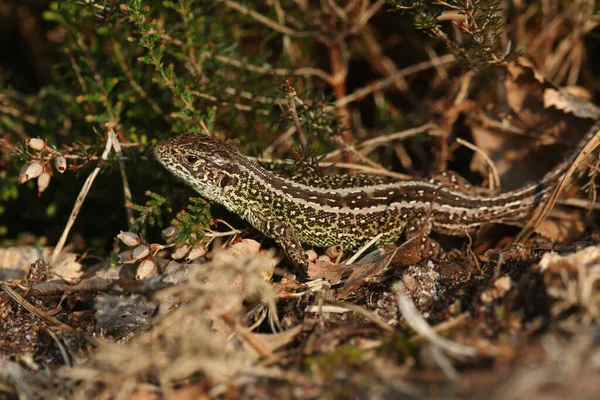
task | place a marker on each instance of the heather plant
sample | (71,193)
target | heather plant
(383,87)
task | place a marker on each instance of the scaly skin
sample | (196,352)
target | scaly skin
(343,210)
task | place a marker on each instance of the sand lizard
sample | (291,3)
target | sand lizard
(345,210)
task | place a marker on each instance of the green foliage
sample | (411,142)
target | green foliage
(482,27)
(193,221)
(150,213)
(327,365)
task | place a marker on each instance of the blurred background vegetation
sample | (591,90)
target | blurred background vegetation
(360,68)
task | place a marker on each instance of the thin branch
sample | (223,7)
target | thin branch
(126,189)
(110,136)
(326,164)
(541,213)
(494,177)
(384,83)
(371,144)
(290,96)
(262,19)
(419,324)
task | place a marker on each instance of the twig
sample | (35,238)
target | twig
(136,86)
(268,152)
(126,189)
(328,164)
(365,313)
(338,60)
(383,64)
(494,177)
(111,286)
(262,19)
(364,248)
(385,82)
(274,71)
(580,203)
(420,325)
(267,69)
(443,326)
(82,195)
(564,182)
(384,139)
(290,96)
(43,315)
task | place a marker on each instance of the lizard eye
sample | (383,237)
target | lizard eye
(190,159)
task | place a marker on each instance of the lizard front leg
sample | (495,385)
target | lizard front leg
(285,236)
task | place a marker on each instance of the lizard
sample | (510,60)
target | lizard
(346,210)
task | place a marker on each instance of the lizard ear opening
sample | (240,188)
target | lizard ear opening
(224,181)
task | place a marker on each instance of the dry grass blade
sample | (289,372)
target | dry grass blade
(564,182)
(418,323)
(42,315)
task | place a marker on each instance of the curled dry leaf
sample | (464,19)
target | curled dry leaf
(130,239)
(36,144)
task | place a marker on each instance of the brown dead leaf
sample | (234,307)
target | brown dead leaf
(573,281)
(273,342)
(16,261)
(538,109)
(360,272)
(568,227)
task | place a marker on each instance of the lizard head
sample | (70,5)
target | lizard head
(204,163)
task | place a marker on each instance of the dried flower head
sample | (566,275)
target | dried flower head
(130,239)
(140,252)
(33,170)
(36,144)
(61,164)
(43,182)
